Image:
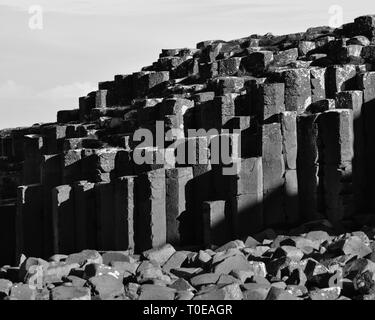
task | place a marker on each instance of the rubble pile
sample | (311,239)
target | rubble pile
(311,266)
(293,114)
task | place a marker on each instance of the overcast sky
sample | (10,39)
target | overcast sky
(86,41)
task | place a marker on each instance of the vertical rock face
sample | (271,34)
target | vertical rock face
(177,195)
(214,222)
(297,89)
(125,213)
(203,146)
(151,221)
(336,128)
(308,166)
(63,219)
(85,222)
(29,217)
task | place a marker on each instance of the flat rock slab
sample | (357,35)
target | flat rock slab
(70,293)
(160,255)
(155,292)
(255,291)
(227,292)
(279,294)
(22,292)
(85,257)
(237,262)
(5,286)
(106,287)
(204,279)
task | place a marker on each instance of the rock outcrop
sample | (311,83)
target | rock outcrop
(291,114)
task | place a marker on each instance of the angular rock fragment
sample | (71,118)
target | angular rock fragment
(204,279)
(297,90)
(279,294)
(160,255)
(22,292)
(70,293)
(325,294)
(229,264)
(175,260)
(257,62)
(106,287)
(84,257)
(226,292)
(155,292)
(254,291)
(269,100)
(5,286)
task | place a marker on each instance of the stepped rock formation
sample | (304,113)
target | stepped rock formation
(298,107)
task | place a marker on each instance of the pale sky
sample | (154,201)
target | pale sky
(84,42)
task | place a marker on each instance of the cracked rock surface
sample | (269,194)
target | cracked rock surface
(315,265)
